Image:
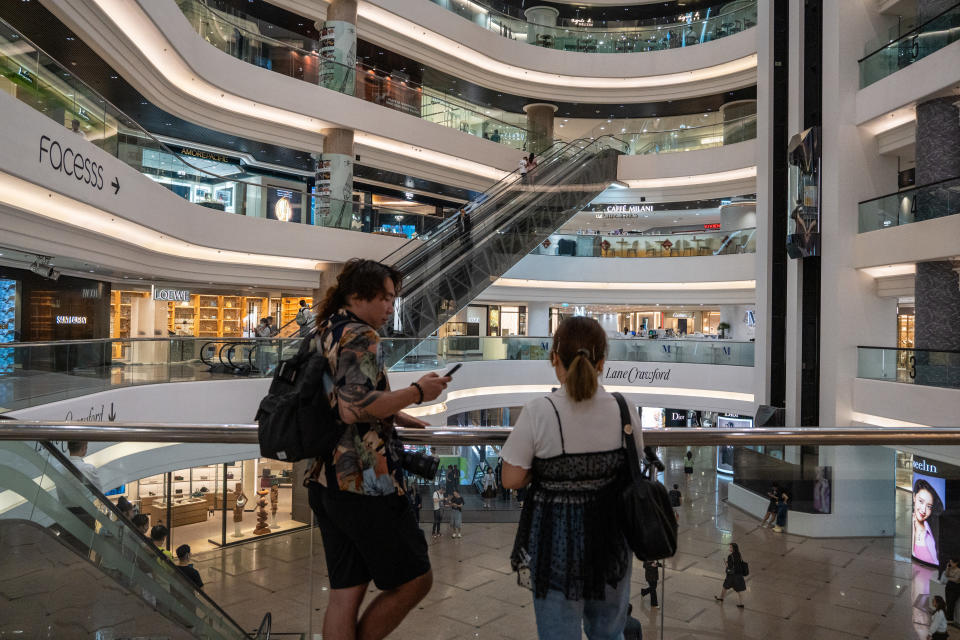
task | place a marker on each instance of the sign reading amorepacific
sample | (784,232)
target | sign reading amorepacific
(171,295)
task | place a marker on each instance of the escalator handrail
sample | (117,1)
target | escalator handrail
(203,349)
(413,275)
(551,154)
(263,631)
(106,503)
(232,345)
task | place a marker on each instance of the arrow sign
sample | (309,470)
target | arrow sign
(116,185)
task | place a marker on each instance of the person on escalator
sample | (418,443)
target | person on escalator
(305,319)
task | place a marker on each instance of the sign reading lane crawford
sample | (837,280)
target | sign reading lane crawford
(636,375)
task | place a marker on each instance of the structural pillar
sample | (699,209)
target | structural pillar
(538,319)
(539,126)
(338,47)
(937,286)
(541,25)
(335,180)
(737,127)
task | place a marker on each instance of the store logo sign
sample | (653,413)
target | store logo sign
(171,295)
(66,320)
(924,466)
(636,375)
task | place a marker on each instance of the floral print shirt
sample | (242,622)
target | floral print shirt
(363,461)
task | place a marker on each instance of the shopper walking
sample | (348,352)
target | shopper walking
(437,511)
(369,530)
(676,499)
(651,571)
(524,167)
(489,488)
(774,496)
(688,466)
(938,621)
(456,515)
(568,447)
(951,576)
(735,571)
(783,503)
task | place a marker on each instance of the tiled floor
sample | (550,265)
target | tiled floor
(799,588)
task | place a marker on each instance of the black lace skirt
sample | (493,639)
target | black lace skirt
(569,538)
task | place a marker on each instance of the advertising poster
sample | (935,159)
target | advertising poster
(338,48)
(935,516)
(335,191)
(8,322)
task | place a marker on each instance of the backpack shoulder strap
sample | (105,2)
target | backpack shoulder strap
(626,432)
(563,447)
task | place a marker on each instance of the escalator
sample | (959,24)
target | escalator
(445,271)
(74,568)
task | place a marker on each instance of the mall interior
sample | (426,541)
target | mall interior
(757,200)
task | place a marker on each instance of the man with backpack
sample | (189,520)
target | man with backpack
(368,527)
(304,319)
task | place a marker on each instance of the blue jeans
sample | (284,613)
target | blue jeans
(456,520)
(562,619)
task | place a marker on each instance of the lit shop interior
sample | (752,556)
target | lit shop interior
(218,504)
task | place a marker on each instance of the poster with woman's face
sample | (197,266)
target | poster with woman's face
(929,502)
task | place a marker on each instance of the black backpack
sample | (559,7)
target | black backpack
(295,418)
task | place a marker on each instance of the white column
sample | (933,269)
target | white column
(538,319)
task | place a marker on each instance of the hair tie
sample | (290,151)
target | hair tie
(586,354)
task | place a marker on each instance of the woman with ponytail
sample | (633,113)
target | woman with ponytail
(568,447)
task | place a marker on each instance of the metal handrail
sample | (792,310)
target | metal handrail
(456,436)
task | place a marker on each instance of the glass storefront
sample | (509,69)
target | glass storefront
(664,322)
(219,504)
(134,313)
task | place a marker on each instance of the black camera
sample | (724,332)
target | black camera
(419,464)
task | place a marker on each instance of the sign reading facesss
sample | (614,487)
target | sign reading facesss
(60,156)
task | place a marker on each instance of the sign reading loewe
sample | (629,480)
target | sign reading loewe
(636,375)
(171,295)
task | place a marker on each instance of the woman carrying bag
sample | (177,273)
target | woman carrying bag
(736,570)
(568,447)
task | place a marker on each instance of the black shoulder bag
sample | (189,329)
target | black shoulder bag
(646,517)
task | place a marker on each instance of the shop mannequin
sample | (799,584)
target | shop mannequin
(238,509)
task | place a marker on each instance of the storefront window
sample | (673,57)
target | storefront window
(219,504)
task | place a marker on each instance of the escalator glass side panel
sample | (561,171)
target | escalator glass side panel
(46,501)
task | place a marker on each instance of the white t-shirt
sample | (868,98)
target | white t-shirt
(437,500)
(523,165)
(88,470)
(938,623)
(590,425)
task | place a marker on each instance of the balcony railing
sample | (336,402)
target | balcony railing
(39,81)
(910,366)
(674,245)
(928,38)
(297,57)
(37,373)
(691,29)
(930,201)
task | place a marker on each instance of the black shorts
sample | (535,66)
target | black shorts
(369,538)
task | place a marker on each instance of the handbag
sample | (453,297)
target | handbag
(646,517)
(744,569)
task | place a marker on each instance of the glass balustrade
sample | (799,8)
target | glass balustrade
(296,56)
(647,141)
(36,79)
(691,28)
(100,577)
(685,244)
(38,373)
(928,38)
(910,366)
(911,205)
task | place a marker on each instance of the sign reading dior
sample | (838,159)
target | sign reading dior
(636,375)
